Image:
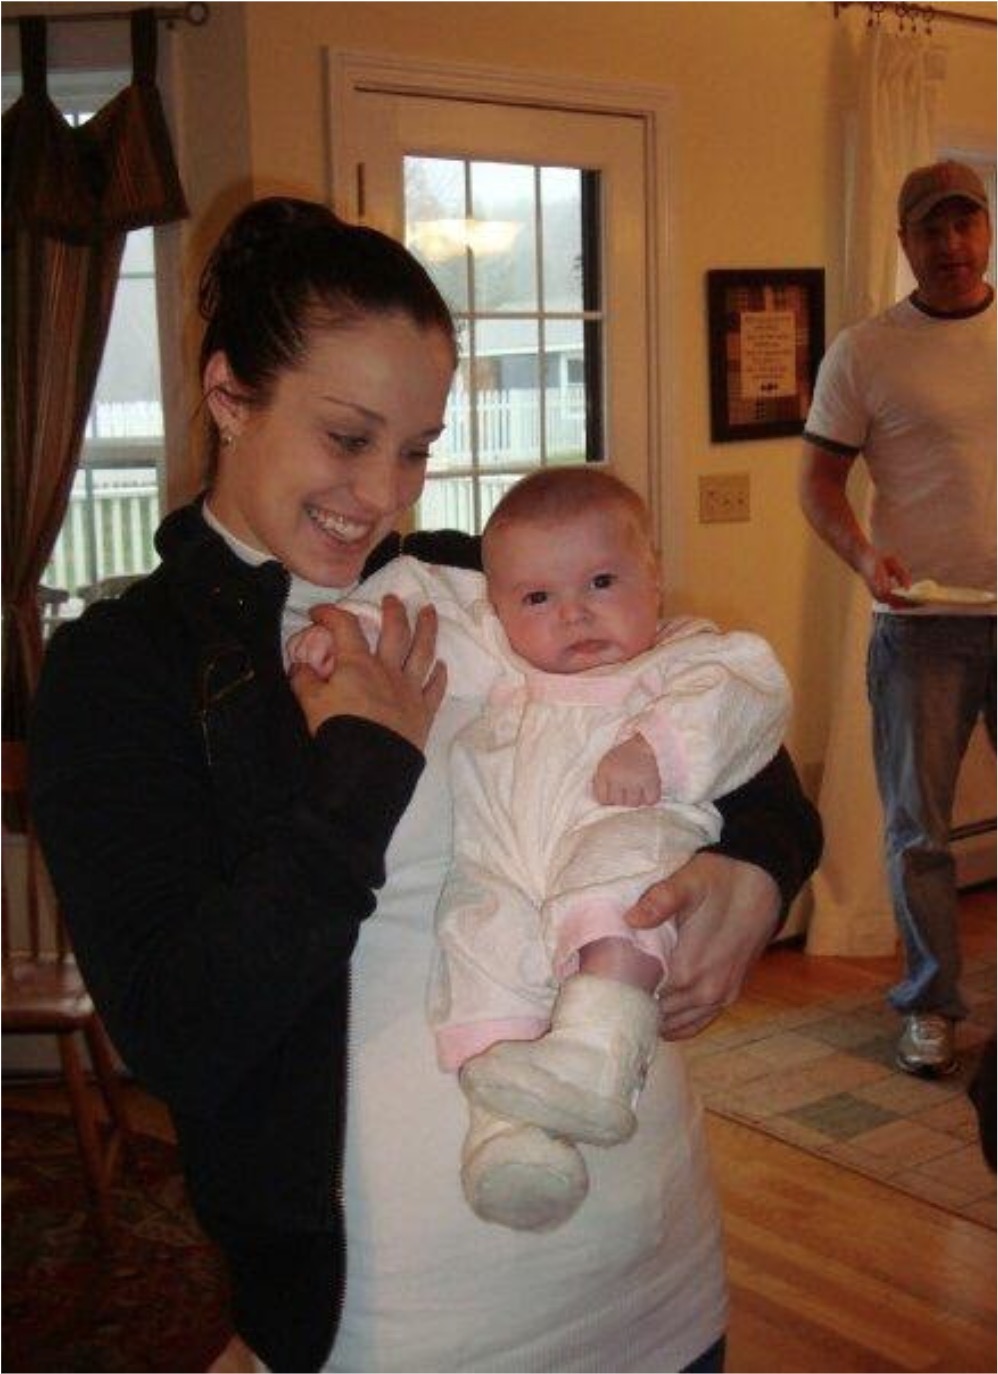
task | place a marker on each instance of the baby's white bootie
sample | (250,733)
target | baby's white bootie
(519,1176)
(582,1079)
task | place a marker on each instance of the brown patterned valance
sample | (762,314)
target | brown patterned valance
(114,173)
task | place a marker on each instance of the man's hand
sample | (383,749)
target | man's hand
(725,913)
(882,573)
(627,775)
(399,683)
(825,501)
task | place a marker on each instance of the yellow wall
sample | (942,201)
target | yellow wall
(760,93)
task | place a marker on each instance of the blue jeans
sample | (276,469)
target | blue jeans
(929,678)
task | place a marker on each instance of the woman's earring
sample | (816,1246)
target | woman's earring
(226,438)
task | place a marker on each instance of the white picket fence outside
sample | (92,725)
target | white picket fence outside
(448,503)
(508,426)
(114,510)
(108,530)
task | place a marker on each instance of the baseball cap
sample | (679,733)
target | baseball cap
(926,187)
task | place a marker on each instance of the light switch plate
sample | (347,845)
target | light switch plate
(724,496)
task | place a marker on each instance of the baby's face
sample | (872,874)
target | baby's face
(576,593)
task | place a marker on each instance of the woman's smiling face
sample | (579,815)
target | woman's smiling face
(319,474)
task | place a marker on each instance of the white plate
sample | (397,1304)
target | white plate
(930,593)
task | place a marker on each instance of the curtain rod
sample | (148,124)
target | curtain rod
(196,14)
(926,13)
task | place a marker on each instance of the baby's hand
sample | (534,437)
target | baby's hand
(314,647)
(627,775)
(398,682)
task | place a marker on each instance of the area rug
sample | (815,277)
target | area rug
(823,1078)
(150,1297)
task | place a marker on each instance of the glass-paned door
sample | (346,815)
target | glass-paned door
(532,223)
(515,249)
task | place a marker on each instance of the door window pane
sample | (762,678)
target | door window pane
(514,248)
(562,222)
(435,198)
(503,236)
(565,393)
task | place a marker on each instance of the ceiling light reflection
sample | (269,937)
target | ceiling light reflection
(437,240)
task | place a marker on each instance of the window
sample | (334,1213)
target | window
(114,506)
(115,503)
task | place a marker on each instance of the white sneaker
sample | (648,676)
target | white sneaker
(519,1176)
(582,1079)
(927,1045)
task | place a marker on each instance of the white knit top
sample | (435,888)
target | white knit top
(634,1281)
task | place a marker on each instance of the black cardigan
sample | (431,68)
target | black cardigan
(215,863)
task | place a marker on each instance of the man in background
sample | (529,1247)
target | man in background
(913,391)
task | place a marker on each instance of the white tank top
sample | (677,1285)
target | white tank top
(634,1281)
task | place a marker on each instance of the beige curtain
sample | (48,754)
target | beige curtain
(895,131)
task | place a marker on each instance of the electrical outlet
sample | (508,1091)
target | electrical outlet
(724,496)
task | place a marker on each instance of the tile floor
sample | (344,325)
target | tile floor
(823,1078)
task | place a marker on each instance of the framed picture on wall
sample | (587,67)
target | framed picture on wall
(766,338)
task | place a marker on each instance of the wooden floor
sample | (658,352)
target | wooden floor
(833,1271)
(829,1270)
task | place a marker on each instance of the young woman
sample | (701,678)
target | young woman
(217,833)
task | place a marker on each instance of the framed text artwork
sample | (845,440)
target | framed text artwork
(767,335)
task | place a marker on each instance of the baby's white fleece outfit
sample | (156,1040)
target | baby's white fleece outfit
(540,867)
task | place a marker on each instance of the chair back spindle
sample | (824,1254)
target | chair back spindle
(32,922)
(44,994)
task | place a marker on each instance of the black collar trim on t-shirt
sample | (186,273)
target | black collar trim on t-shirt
(953,314)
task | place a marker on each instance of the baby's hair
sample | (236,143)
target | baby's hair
(284,267)
(553,494)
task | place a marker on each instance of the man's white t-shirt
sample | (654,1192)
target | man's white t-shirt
(915,393)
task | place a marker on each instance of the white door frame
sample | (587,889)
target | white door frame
(348,74)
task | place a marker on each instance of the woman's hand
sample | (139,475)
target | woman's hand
(399,683)
(725,913)
(236,1358)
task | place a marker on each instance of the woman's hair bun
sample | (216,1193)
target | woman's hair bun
(284,266)
(255,240)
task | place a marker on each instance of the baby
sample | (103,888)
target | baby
(587,777)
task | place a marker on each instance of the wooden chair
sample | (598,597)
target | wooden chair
(44,994)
